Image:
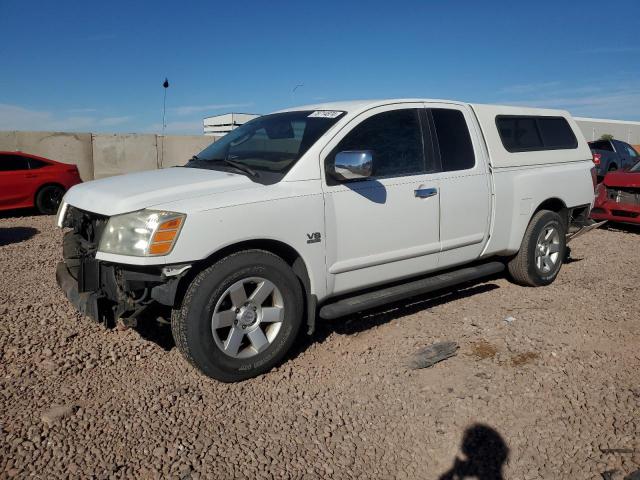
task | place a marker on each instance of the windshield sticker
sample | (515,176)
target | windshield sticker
(325,114)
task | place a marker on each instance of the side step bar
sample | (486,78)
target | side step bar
(383,296)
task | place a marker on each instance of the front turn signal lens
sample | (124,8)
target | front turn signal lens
(165,236)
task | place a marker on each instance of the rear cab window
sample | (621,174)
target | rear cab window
(452,140)
(524,133)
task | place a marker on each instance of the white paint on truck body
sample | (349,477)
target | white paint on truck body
(371,232)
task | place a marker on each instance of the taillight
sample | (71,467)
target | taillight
(597,157)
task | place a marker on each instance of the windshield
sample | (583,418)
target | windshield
(270,144)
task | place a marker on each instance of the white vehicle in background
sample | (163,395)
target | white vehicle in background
(323,211)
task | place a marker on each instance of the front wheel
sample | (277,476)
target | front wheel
(542,251)
(240,316)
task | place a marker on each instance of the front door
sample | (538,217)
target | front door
(385,227)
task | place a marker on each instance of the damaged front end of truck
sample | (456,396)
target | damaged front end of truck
(106,291)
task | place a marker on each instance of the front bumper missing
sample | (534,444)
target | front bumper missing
(85,302)
(106,292)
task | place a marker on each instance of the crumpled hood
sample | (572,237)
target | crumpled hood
(135,191)
(622,179)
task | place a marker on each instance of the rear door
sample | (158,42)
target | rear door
(15,181)
(465,184)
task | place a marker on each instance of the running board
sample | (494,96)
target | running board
(383,296)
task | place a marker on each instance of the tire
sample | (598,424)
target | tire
(612,168)
(214,314)
(48,199)
(542,251)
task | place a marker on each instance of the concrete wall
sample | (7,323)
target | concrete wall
(178,150)
(594,128)
(104,155)
(118,154)
(74,148)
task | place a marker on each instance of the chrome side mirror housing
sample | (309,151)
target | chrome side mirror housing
(353,165)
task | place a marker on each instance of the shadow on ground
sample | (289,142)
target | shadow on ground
(18,213)
(159,333)
(359,322)
(11,235)
(153,325)
(484,455)
(623,227)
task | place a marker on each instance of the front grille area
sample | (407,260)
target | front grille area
(81,243)
(87,228)
(628,196)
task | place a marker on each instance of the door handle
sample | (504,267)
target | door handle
(425,192)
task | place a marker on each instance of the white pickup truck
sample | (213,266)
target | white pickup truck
(323,211)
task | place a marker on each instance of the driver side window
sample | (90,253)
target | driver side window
(394,137)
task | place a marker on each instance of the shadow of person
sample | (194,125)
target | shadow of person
(485,454)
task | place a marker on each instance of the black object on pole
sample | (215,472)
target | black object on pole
(164,104)
(165,84)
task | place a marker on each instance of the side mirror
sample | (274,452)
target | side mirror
(353,164)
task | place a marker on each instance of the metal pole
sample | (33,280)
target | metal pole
(164,111)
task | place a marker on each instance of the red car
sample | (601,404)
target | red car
(618,197)
(30,181)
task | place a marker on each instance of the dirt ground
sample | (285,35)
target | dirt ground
(546,383)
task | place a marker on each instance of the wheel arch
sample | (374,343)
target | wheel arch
(556,205)
(283,250)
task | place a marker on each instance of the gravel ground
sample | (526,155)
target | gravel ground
(546,384)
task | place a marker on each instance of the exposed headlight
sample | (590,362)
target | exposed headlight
(146,233)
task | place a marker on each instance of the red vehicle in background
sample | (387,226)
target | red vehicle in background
(618,197)
(31,181)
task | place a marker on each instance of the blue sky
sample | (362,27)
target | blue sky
(99,66)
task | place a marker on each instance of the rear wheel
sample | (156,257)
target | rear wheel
(240,316)
(48,199)
(542,251)
(612,168)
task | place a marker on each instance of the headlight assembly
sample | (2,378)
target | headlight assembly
(145,233)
